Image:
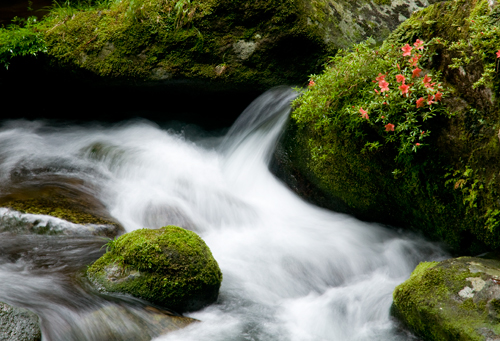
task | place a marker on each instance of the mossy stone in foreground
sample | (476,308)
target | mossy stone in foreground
(170,266)
(457,299)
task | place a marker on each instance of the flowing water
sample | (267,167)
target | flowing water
(292,271)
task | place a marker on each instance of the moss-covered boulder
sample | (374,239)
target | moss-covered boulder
(422,153)
(256,44)
(170,266)
(456,299)
(18,324)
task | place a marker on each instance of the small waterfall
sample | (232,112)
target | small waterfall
(292,271)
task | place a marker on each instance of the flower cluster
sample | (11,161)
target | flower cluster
(406,97)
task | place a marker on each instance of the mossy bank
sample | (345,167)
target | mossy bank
(170,266)
(249,44)
(408,134)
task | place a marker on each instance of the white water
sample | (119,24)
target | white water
(292,271)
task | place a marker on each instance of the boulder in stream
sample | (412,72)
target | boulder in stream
(456,299)
(407,133)
(18,324)
(170,266)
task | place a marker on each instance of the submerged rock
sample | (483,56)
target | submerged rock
(47,209)
(170,266)
(15,222)
(18,324)
(426,162)
(456,299)
(115,322)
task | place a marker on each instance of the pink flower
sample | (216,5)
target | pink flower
(438,96)
(407,50)
(385,104)
(375,90)
(364,113)
(414,60)
(430,99)
(420,102)
(404,89)
(384,86)
(399,68)
(400,78)
(429,86)
(498,54)
(416,72)
(311,83)
(419,44)
(383,116)
(380,77)
(389,127)
(417,144)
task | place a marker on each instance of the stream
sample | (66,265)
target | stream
(292,271)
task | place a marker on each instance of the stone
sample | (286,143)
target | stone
(18,324)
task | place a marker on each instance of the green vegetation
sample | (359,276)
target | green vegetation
(436,172)
(170,266)
(390,114)
(435,304)
(21,38)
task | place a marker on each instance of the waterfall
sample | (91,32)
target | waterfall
(292,271)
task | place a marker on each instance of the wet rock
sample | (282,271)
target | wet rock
(456,299)
(18,324)
(171,267)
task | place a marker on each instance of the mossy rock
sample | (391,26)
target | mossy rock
(448,189)
(456,299)
(18,324)
(170,266)
(249,44)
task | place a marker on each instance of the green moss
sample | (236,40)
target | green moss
(428,302)
(170,266)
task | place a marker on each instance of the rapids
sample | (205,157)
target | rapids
(292,271)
